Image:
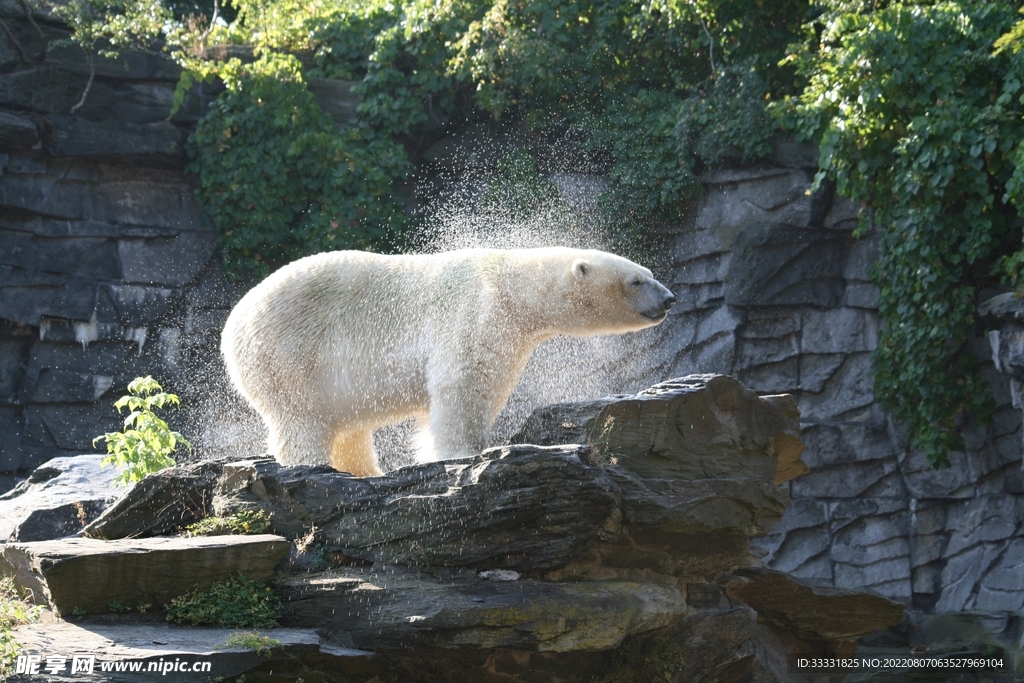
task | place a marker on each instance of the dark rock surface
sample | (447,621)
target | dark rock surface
(101,243)
(633,540)
(692,455)
(58,499)
(392,608)
(515,508)
(160,504)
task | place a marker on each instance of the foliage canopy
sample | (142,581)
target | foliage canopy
(281,180)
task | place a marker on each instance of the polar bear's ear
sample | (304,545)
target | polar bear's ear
(580,268)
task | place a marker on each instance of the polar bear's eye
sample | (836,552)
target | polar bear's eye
(636,282)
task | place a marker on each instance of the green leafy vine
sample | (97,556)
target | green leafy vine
(919,120)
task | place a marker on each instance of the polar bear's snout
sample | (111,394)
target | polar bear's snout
(655,300)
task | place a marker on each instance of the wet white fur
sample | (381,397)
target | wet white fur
(335,345)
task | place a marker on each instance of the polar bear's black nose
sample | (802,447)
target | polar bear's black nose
(669,301)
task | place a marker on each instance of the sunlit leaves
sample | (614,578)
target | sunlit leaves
(279,181)
(146,443)
(920,121)
(118,23)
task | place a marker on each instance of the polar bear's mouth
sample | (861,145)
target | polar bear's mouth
(657,317)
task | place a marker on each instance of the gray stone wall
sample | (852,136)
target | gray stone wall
(775,291)
(106,263)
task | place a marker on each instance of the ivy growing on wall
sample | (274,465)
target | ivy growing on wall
(642,80)
(921,121)
(280,180)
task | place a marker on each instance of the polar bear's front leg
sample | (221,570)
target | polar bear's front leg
(352,452)
(460,419)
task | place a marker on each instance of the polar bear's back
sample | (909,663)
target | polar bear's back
(347,326)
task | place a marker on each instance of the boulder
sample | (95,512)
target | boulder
(88,575)
(692,455)
(518,507)
(58,499)
(162,503)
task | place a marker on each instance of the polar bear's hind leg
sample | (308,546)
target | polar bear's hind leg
(295,442)
(352,452)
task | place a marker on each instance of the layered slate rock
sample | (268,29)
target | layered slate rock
(626,552)
(516,508)
(392,608)
(167,654)
(160,504)
(692,455)
(88,575)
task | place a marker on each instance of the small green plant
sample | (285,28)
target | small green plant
(236,603)
(146,444)
(78,612)
(309,555)
(119,608)
(14,611)
(242,522)
(262,645)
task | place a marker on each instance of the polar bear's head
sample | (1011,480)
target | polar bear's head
(610,294)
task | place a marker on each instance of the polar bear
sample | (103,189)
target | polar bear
(335,345)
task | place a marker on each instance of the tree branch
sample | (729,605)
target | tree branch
(92,75)
(711,44)
(39,31)
(213,22)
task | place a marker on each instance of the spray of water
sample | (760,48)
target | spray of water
(481,212)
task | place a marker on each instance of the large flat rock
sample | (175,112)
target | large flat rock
(87,575)
(520,508)
(172,653)
(394,608)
